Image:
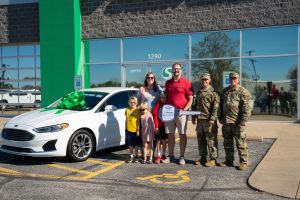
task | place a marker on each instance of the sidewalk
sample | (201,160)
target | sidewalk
(279,171)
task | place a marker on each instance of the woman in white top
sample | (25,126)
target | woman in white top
(150,91)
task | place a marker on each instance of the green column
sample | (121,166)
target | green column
(60,47)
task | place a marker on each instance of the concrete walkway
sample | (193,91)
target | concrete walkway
(279,171)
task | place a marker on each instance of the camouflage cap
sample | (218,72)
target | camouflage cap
(234,75)
(205,76)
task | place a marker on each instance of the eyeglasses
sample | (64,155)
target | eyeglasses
(132,102)
(150,77)
(176,69)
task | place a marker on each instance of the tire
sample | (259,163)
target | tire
(80,146)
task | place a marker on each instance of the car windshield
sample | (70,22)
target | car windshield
(91,100)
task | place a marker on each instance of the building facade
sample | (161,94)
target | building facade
(45,44)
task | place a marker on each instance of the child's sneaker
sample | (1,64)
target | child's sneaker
(157,159)
(130,159)
(136,159)
(149,162)
(144,162)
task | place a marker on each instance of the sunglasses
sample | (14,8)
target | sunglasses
(150,77)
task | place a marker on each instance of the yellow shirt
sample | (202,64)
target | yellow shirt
(132,117)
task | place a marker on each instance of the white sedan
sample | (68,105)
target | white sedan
(52,132)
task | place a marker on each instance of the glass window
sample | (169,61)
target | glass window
(9,51)
(107,50)
(26,50)
(9,74)
(135,75)
(270,41)
(217,68)
(105,75)
(9,63)
(38,74)
(163,72)
(37,61)
(37,49)
(120,100)
(26,62)
(260,75)
(215,44)
(156,48)
(27,85)
(26,75)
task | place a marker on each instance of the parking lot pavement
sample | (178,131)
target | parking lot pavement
(107,176)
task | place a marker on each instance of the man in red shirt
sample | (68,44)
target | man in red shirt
(274,98)
(179,93)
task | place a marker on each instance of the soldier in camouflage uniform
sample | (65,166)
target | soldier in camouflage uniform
(206,101)
(235,110)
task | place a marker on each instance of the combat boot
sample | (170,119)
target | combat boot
(226,164)
(243,166)
(202,161)
(210,163)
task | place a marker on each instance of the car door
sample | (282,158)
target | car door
(112,127)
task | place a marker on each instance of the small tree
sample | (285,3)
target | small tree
(214,45)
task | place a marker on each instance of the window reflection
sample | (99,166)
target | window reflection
(216,68)
(156,48)
(163,72)
(135,75)
(27,75)
(8,74)
(10,51)
(9,63)
(26,62)
(270,41)
(105,75)
(26,50)
(104,50)
(215,44)
(18,79)
(278,71)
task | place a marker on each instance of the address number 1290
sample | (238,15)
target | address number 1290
(154,56)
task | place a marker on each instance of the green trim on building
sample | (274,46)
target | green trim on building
(60,47)
(86,66)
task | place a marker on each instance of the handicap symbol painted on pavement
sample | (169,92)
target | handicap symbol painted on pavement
(166,178)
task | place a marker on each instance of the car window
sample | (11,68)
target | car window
(92,99)
(120,100)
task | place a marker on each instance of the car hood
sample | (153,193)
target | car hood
(44,117)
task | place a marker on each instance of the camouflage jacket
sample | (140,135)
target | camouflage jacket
(207,101)
(235,105)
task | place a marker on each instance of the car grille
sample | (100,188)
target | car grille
(16,149)
(16,135)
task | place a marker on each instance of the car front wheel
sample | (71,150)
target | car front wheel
(80,146)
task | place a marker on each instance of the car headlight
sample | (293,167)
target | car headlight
(52,128)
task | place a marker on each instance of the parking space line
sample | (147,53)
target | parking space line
(9,171)
(5,171)
(69,169)
(112,166)
(99,162)
(87,174)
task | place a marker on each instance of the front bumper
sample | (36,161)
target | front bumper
(42,144)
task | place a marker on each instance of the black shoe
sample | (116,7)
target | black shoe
(130,159)
(136,159)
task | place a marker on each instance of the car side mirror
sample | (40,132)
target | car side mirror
(110,108)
